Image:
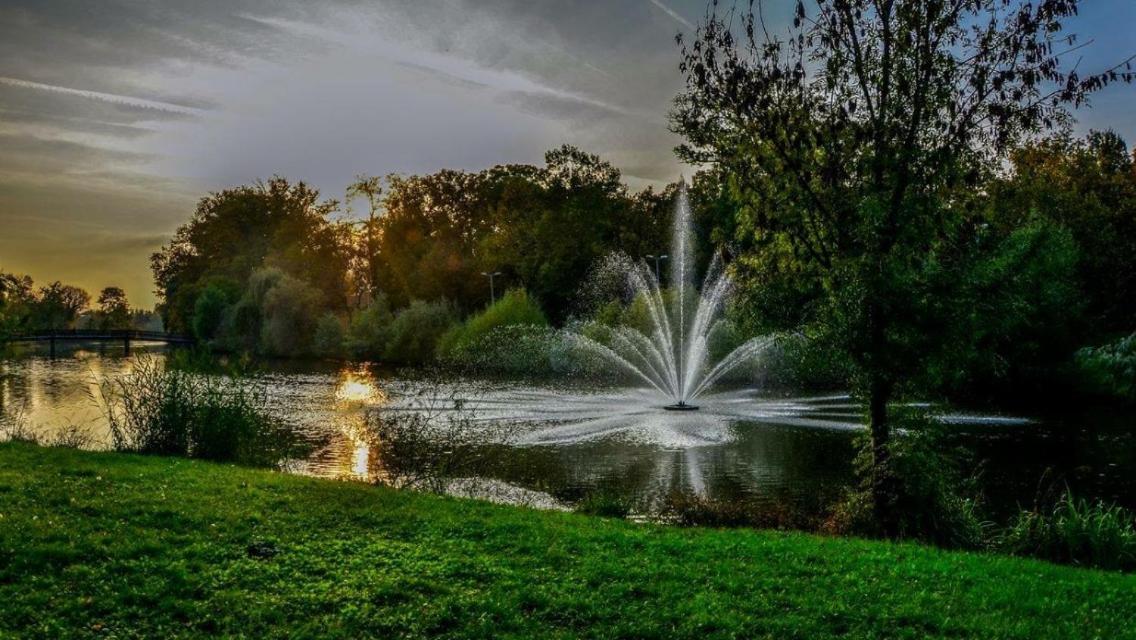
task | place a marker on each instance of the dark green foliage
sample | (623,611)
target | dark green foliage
(604,503)
(1087,186)
(114,310)
(543,227)
(1008,320)
(209,312)
(1110,369)
(160,547)
(369,329)
(56,306)
(930,499)
(414,333)
(1074,531)
(173,411)
(288,315)
(328,340)
(235,232)
(515,308)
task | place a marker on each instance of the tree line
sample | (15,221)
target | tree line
(274,268)
(24,308)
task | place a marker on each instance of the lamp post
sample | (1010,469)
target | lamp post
(657,259)
(492,290)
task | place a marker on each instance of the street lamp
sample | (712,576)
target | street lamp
(657,259)
(492,291)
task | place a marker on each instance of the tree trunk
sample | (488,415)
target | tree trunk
(880,431)
(879,394)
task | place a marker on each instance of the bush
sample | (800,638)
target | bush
(288,317)
(413,335)
(328,341)
(369,329)
(928,497)
(162,411)
(1111,369)
(692,510)
(240,330)
(605,503)
(208,312)
(1075,532)
(434,439)
(515,308)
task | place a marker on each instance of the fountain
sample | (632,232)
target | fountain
(672,357)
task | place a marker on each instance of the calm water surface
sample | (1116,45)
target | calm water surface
(572,440)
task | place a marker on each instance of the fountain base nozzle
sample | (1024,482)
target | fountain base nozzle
(681,406)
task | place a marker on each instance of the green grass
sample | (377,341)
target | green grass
(106,545)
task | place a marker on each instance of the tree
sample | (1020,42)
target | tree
(370,188)
(850,140)
(237,231)
(1087,186)
(58,305)
(17,302)
(114,310)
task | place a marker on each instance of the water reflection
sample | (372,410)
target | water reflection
(571,440)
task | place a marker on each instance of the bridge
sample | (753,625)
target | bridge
(125,336)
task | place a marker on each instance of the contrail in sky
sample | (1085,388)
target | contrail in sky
(674,14)
(98,95)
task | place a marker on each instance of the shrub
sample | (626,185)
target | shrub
(288,317)
(928,497)
(208,312)
(435,439)
(605,503)
(692,510)
(1111,369)
(328,340)
(240,330)
(515,308)
(14,426)
(1075,532)
(156,410)
(369,329)
(413,335)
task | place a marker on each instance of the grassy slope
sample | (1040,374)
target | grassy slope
(109,545)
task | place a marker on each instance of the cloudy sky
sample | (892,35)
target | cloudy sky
(116,115)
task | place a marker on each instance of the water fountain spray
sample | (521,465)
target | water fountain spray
(673,356)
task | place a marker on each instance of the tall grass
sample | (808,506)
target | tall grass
(1075,531)
(160,410)
(436,439)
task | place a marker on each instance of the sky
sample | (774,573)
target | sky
(117,115)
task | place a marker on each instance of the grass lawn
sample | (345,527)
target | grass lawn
(107,545)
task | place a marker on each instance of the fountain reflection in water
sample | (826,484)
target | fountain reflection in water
(673,357)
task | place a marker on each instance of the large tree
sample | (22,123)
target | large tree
(237,231)
(365,257)
(1089,187)
(58,305)
(114,309)
(849,139)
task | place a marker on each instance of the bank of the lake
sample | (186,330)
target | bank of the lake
(112,545)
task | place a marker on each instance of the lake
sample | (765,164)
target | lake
(570,440)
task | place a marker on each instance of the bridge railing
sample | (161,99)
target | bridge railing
(97,334)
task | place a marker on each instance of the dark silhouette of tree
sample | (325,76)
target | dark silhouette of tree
(114,310)
(367,252)
(848,140)
(236,231)
(58,305)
